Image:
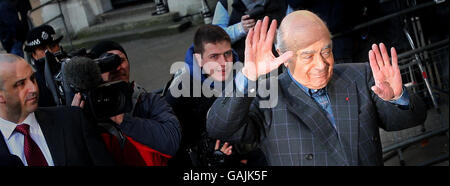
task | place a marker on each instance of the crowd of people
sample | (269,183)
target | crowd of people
(258,87)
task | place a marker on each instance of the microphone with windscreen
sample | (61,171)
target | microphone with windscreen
(81,74)
(103,99)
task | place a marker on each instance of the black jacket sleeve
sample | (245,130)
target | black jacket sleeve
(237,119)
(96,147)
(394,117)
(154,124)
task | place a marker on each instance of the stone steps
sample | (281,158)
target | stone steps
(143,9)
(134,22)
(141,33)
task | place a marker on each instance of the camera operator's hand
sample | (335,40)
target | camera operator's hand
(247,23)
(226,148)
(117,119)
(77,101)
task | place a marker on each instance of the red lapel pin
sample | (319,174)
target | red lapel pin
(346,99)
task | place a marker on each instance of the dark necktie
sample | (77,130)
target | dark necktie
(321,98)
(32,152)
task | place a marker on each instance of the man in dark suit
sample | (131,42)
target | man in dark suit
(321,113)
(35,136)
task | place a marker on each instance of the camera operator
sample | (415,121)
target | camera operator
(39,40)
(148,135)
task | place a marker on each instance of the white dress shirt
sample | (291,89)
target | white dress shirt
(15,140)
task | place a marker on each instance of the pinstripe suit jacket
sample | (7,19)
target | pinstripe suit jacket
(296,131)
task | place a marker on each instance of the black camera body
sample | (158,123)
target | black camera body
(108,62)
(109,99)
(65,77)
(256,13)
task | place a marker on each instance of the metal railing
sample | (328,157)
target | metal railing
(417,56)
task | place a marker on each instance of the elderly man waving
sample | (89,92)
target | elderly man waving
(325,114)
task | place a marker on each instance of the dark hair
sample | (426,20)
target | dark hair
(105,46)
(209,34)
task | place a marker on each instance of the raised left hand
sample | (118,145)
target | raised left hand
(388,80)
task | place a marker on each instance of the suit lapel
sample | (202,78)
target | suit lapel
(307,110)
(54,136)
(344,103)
(4,151)
(6,158)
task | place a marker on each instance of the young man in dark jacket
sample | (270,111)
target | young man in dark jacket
(196,85)
(147,136)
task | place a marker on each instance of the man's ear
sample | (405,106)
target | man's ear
(279,54)
(2,98)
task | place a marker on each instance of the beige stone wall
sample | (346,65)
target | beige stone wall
(36,16)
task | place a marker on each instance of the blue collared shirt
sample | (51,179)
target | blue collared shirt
(320,96)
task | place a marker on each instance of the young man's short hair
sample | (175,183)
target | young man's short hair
(209,34)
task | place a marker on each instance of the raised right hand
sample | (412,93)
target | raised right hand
(226,148)
(259,59)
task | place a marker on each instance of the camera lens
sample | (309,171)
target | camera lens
(108,102)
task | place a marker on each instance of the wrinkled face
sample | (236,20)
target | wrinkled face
(122,72)
(217,60)
(20,93)
(313,66)
(39,52)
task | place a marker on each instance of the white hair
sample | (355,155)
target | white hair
(279,42)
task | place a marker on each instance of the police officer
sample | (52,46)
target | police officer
(39,40)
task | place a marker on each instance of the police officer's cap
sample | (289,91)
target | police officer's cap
(41,36)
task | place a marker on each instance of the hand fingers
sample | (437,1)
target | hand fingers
(373,64)
(250,25)
(228,151)
(385,55)
(282,59)
(244,17)
(248,47)
(383,91)
(377,90)
(248,21)
(217,145)
(271,33)
(378,56)
(82,104)
(394,59)
(76,100)
(224,147)
(265,25)
(257,32)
